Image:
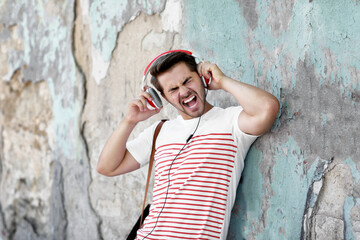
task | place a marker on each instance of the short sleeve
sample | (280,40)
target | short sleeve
(244,140)
(140,147)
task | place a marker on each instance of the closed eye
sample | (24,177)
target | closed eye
(172,90)
(187,80)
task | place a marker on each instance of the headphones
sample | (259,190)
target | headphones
(156,100)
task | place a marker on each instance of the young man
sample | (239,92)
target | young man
(199,155)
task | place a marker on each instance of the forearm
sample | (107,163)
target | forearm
(115,148)
(254,101)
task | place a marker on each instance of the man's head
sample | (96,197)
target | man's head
(165,62)
(176,78)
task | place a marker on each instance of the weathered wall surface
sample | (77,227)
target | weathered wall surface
(68,69)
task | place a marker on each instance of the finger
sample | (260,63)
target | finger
(205,69)
(201,68)
(137,104)
(198,68)
(143,105)
(146,95)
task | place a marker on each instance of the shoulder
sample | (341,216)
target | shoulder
(226,113)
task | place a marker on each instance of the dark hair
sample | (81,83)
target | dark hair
(164,63)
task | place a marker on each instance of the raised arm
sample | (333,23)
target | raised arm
(114,158)
(259,107)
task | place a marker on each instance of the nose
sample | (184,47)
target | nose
(183,91)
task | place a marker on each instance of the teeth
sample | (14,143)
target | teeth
(188,100)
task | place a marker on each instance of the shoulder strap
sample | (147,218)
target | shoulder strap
(156,133)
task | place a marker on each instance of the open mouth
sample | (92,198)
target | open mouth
(190,102)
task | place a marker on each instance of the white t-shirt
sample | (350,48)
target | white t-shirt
(204,174)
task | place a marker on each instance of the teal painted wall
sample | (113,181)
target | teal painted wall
(307,54)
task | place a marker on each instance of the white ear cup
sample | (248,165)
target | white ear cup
(206,81)
(156,100)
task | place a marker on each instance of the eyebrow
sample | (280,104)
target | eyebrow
(184,82)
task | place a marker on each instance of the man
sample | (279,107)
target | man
(199,155)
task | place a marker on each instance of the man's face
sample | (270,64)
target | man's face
(184,90)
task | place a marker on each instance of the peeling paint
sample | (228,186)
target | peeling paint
(312,198)
(107,18)
(249,197)
(301,180)
(350,202)
(354,170)
(47,54)
(289,187)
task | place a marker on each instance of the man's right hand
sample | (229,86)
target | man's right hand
(138,110)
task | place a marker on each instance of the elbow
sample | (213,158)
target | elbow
(272,107)
(270,111)
(101,169)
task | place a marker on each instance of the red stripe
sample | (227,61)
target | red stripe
(197,195)
(196,205)
(203,181)
(203,138)
(207,158)
(183,186)
(196,158)
(190,219)
(200,186)
(155,214)
(202,167)
(208,182)
(163,181)
(186,153)
(191,190)
(185,228)
(159,204)
(208,151)
(142,236)
(182,157)
(216,144)
(195,148)
(185,223)
(211,173)
(158,151)
(175,236)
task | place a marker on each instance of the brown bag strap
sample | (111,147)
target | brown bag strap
(156,133)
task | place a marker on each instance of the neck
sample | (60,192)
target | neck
(207,108)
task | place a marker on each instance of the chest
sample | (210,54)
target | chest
(209,155)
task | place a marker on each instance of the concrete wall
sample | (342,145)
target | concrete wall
(68,69)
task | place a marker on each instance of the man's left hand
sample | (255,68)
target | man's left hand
(211,70)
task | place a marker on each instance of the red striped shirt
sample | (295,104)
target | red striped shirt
(196,183)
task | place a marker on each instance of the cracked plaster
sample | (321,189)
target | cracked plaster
(305,53)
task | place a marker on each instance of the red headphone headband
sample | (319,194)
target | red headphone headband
(162,54)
